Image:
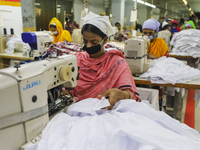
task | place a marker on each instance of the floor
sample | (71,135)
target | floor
(191,118)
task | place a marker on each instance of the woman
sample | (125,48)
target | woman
(59,34)
(189,25)
(165,26)
(102,73)
(175,25)
(158,47)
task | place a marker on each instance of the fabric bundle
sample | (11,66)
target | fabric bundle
(170,70)
(129,125)
(186,43)
(63,48)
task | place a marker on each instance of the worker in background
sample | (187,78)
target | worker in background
(68,26)
(165,26)
(102,73)
(189,25)
(182,23)
(175,26)
(120,35)
(59,34)
(157,47)
(169,20)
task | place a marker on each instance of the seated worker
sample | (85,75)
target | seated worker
(189,25)
(102,73)
(157,47)
(165,33)
(59,34)
(166,26)
(120,35)
(175,25)
(169,20)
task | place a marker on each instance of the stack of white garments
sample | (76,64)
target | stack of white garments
(170,70)
(186,43)
(130,125)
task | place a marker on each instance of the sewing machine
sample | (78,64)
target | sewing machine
(24,90)
(38,42)
(135,52)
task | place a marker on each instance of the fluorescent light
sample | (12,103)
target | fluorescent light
(147,4)
(37,4)
(153,6)
(58,5)
(190,9)
(141,2)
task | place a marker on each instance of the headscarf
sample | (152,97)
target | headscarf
(58,25)
(101,22)
(189,23)
(177,28)
(165,24)
(168,19)
(151,24)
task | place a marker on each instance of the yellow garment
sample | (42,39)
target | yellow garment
(62,34)
(158,47)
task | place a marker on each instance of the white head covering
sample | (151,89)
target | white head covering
(101,22)
(188,25)
(151,24)
(164,24)
(53,23)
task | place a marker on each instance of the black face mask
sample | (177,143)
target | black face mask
(94,49)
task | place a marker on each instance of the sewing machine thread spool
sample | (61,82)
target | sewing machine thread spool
(65,73)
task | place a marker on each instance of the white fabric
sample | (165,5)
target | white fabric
(152,95)
(197,93)
(186,43)
(171,91)
(84,12)
(165,35)
(130,125)
(101,22)
(170,70)
(11,44)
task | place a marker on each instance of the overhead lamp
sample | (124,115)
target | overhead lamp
(190,9)
(153,6)
(147,4)
(141,2)
(37,4)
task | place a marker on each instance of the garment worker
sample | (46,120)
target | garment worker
(166,26)
(120,35)
(59,34)
(102,73)
(169,20)
(165,33)
(175,25)
(157,47)
(189,25)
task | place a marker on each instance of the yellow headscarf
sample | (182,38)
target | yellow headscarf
(62,34)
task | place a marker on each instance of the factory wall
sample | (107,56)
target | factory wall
(28,15)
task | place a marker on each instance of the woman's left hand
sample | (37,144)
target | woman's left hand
(115,95)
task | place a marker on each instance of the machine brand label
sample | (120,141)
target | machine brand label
(30,85)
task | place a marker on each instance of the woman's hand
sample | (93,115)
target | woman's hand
(115,95)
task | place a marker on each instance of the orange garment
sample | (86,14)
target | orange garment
(62,34)
(158,47)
